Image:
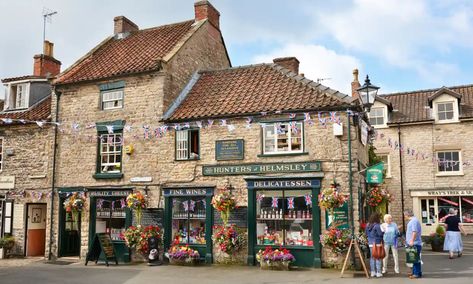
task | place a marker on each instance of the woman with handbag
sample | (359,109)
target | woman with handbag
(375,241)
(391,233)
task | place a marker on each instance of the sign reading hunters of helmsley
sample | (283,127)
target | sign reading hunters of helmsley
(244,169)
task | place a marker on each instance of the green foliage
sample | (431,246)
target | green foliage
(373,158)
(440,230)
(7,243)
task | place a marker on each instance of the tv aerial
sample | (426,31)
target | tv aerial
(47,17)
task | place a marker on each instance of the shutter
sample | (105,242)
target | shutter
(8,217)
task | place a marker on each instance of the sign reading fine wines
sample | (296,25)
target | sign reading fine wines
(245,169)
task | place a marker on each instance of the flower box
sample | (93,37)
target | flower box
(183,262)
(275,265)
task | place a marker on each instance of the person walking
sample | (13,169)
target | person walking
(413,239)
(375,236)
(453,239)
(391,233)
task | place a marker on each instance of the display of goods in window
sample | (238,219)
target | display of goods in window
(337,240)
(378,198)
(275,259)
(224,202)
(74,205)
(332,197)
(137,202)
(182,255)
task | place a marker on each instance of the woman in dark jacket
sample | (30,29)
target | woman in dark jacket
(375,236)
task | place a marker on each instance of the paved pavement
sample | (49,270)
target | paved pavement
(437,269)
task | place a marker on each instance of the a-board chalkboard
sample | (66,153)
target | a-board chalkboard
(151,216)
(238,216)
(102,242)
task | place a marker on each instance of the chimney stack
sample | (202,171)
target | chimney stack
(123,25)
(205,10)
(355,84)
(45,65)
(290,63)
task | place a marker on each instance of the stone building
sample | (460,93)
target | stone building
(424,138)
(26,151)
(275,139)
(110,103)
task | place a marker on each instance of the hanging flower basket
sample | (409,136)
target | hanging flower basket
(335,239)
(224,202)
(331,198)
(227,239)
(378,198)
(137,202)
(74,204)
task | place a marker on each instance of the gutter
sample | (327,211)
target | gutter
(401,176)
(53,179)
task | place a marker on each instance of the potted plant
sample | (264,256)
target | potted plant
(6,244)
(437,238)
(182,255)
(335,239)
(137,237)
(277,259)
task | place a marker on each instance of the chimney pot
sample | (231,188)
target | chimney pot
(122,24)
(48,48)
(204,10)
(290,63)
(355,84)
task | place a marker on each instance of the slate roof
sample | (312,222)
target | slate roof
(20,78)
(414,106)
(37,112)
(250,90)
(140,51)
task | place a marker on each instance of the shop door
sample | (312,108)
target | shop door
(69,233)
(429,215)
(36,230)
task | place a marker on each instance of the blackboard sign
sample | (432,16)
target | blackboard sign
(102,243)
(341,217)
(229,150)
(151,216)
(238,216)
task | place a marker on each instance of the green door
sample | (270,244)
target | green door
(69,232)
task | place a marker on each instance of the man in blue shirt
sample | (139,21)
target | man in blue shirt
(413,238)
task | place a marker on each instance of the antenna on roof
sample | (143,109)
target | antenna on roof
(47,16)
(319,80)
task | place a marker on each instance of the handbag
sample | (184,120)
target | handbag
(378,251)
(412,255)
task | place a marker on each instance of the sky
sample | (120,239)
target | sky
(402,44)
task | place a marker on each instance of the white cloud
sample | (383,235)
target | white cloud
(318,62)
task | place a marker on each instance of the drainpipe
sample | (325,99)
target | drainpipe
(401,176)
(53,178)
(350,182)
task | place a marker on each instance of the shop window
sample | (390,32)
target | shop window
(187,144)
(376,116)
(283,138)
(284,217)
(112,99)
(445,111)
(444,204)
(188,220)
(111,217)
(449,161)
(110,156)
(467,209)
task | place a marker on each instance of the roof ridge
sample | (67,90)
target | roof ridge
(233,68)
(162,26)
(425,90)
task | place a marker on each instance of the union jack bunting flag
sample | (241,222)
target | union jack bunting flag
(274,202)
(290,203)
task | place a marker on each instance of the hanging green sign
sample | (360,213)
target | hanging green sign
(374,174)
(339,217)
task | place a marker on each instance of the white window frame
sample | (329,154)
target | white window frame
(117,96)
(387,165)
(184,145)
(383,116)
(452,103)
(445,98)
(276,151)
(449,173)
(12,97)
(113,149)
(2,145)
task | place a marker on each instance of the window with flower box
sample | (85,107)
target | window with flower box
(283,137)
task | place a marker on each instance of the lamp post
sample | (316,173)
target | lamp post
(367,94)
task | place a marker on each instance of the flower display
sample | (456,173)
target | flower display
(183,254)
(269,256)
(224,202)
(337,240)
(137,237)
(331,198)
(74,205)
(227,239)
(377,196)
(137,202)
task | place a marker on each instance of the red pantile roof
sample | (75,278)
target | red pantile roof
(250,90)
(138,52)
(414,106)
(38,112)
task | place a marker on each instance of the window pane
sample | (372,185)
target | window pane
(268,135)
(441,107)
(449,106)
(298,218)
(196,208)
(269,220)
(180,222)
(444,204)
(467,209)
(449,115)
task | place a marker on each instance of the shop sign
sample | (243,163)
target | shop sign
(450,192)
(298,183)
(340,217)
(245,169)
(374,174)
(109,193)
(141,179)
(187,191)
(364,132)
(7,182)
(229,150)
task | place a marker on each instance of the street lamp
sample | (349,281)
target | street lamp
(367,94)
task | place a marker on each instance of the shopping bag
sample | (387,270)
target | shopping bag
(378,251)
(412,255)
